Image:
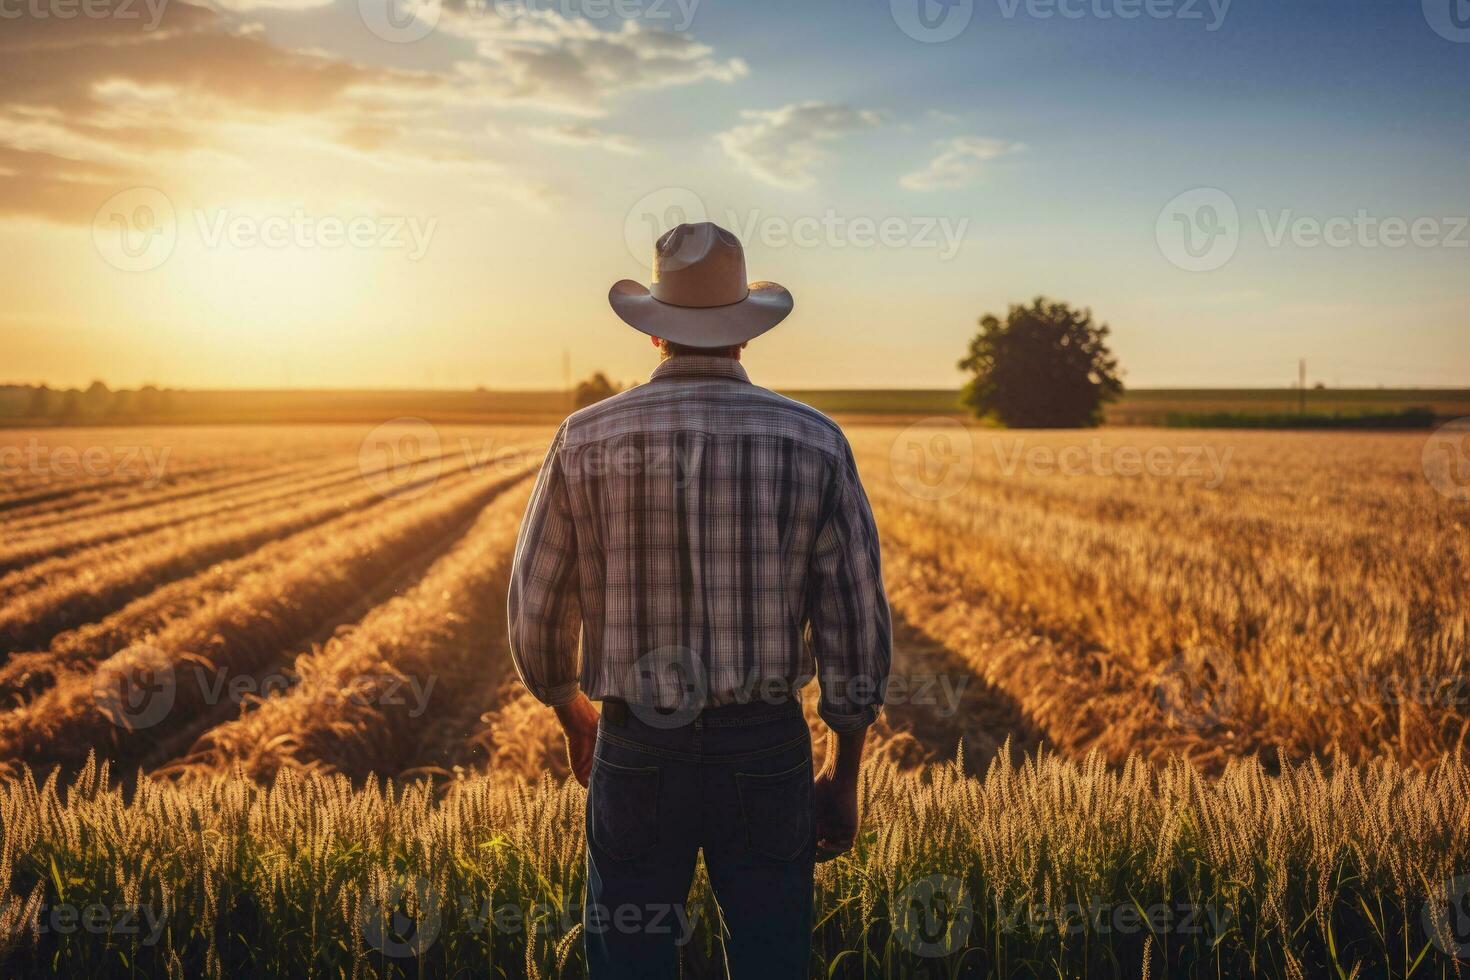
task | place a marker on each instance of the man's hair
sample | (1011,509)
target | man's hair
(671,349)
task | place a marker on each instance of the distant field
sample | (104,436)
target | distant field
(1145,406)
(1151,406)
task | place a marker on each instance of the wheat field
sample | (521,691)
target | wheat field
(1164,703)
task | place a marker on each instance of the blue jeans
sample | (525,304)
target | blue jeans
(736,782)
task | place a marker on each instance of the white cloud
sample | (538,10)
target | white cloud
(570,65)
(580,134)
(958,163)
(783,146)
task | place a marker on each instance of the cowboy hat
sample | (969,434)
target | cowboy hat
(699,296)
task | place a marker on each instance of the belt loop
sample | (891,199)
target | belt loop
(615,712)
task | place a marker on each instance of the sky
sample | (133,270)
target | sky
(410,193)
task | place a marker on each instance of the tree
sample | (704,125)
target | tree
(1046,366)
(96,398)
(594,390)
(40,402)
(148,400)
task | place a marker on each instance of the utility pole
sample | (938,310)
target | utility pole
(566,374)
(1302,387)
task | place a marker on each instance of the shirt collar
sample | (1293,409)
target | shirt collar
(698,367)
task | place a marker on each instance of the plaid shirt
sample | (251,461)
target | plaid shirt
(709,539)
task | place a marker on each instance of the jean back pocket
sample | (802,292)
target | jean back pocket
(624,808)
(777,810)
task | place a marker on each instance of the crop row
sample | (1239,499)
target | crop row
(192,669)
(368,699)
(1294,606)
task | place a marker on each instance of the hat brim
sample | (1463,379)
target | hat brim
(709,326)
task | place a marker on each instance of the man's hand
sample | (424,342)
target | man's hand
(834,795)
(836,815)
(579,724)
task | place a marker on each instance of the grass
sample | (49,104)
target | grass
(1408,418)
(1048,868)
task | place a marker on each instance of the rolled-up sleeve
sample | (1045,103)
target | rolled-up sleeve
(545,614)
(851,634)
